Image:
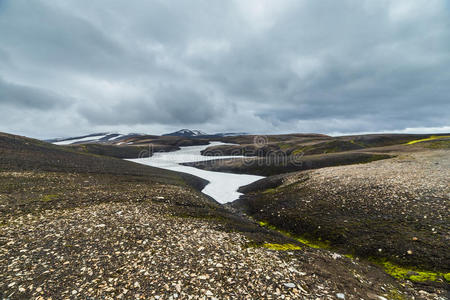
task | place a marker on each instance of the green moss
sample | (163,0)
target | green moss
(423,276)
(270,191)
(302,149)
(331,150)
(48,198)
(284,146)
(394,270)
(395,295)
(265,224)
(313,244)
(281,247)
(410,273)
(318,244)
(433,137)
(361,144)
(298,151)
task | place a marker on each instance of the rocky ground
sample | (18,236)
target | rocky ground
(84,226)
(131,246)
(394,210)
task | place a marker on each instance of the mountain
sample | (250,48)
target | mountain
(117,138)
(186,133)
(198,133)
(92,138)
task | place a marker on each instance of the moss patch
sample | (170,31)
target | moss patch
(313,244)
(284,146)
(433,137)
(270,191)
(396,295)
(48,198)
(318,244)
(410,273)
(281,247)
(402,273)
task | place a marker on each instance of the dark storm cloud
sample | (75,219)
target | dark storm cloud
(256,65)
(26,97)
(169,105)
(51,37)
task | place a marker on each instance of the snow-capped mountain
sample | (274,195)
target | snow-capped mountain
(199,133)
(119,139)
(186,133)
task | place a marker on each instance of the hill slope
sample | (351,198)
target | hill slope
(77,225)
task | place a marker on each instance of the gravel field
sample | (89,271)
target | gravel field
(397,208)
(83,226)
(139,250)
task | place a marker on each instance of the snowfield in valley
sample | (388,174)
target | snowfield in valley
(222,186)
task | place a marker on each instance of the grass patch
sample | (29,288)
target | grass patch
(431,138)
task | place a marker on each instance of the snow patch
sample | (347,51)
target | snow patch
(85,139)
(222,186)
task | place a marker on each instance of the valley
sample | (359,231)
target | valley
(85,220)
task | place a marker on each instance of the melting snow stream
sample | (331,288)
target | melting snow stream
(222,186)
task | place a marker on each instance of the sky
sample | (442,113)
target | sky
(75,67)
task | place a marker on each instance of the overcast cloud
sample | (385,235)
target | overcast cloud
(75,67)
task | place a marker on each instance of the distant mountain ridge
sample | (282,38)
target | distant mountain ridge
(186,133)
(117,138)
(199,133)
(92,138)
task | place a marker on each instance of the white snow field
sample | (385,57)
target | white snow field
(92,138)
(86,139)
(222,186)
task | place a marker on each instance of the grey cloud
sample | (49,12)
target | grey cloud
(26,97)
(185,106)
(324,66)
(52,37)
(168,105)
